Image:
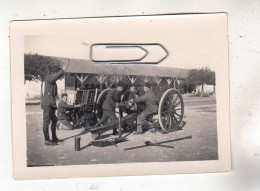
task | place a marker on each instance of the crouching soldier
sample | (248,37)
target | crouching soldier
(111,102)
(63,107)
(151,108)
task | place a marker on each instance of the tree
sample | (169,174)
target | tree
(212,79)
(35,67)
(200,77)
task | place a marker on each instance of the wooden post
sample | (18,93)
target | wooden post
(147,79)
(178,82)
(169,80)
(101,79)
(158,81)
(81,78)
(132,79)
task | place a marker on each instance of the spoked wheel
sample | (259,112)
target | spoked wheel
(171,110)
(100,100)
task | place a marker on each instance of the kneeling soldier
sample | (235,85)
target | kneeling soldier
(63,107)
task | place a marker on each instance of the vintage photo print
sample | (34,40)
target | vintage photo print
(112,96)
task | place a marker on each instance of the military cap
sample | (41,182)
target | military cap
(120,84)
(148,85)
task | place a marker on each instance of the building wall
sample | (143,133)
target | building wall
(33,89)
(206,88)
(71,82)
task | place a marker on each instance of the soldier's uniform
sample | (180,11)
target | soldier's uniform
(151,107)
(112,97)
(48,104)
(63,122)
(129,95)
(132,95)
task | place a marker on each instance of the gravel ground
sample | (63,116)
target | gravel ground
(200,118)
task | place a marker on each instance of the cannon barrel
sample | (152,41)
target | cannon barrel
(114,124)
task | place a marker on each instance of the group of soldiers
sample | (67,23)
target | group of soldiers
(112,101)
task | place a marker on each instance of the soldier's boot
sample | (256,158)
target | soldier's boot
(139,130)
(50,143)
(56,140)
(152,128)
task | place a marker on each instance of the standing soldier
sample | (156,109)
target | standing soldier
(151,107)
(48,104)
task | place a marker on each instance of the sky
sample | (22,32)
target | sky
(191,41)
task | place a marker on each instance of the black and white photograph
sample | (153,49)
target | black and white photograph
(125,90)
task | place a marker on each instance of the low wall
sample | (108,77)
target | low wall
(33,89)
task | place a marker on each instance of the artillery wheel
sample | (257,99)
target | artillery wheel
(171,110)
(100,100)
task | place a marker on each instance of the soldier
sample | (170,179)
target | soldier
(151,107)
(63,107)
(133,93)
(111,102)
(128,95)
(48,104)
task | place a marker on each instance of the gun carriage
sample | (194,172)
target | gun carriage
(170,111)
(170,102)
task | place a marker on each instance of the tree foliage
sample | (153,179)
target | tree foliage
(35,66)
(201,76)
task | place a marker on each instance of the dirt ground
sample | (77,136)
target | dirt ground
(200,118)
